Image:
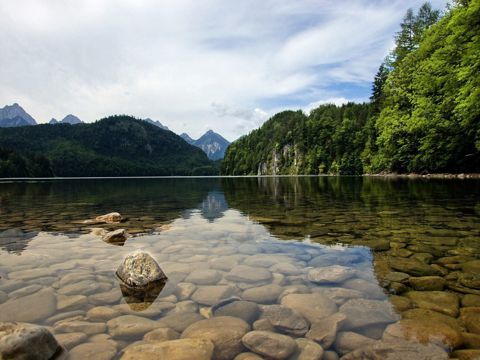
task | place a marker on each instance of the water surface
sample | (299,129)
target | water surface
(404,249)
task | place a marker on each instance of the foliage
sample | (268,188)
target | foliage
(114,146)
(424,114)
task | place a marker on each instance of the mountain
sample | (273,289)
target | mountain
(156,123)
(187,138)
(114,146)
(213,144)
(15,115)
(69,119)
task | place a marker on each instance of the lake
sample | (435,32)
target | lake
(284,268)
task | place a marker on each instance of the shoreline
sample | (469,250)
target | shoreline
(380,175)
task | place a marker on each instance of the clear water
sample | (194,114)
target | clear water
(284,226)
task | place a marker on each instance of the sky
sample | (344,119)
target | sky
(193,65)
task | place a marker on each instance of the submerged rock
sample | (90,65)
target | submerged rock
(245,310)
(330,274)
(112,217)
(324,331)
(313,307)
(225,332)
(398,350)
(26,341)
(270,344)
(116,237)
(141,277)
(364,312)
(413,267)
(183,349)
(285,320)
(441,301)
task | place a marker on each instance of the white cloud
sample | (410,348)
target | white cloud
(172,60)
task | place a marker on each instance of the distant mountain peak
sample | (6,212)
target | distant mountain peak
(156,123)
(187,138)
(71,119)
(14,115)
(213,144)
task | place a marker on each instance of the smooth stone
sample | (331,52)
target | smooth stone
(89,328)
(62,316)
(286,268)
(30,308)
(307,350)
(212,294)
(366,312)
(110,217)
(70,340)
(248,356)
(162,334)
(313,307)
(412,266)
(186,306)
(472,267)
(139,269)
(368,289)
(182,349)
(263,325)
(65,303)
(398,350)
(430,315)
(248,274)
(102,313)
(339,295)
(330,355)
(467,354)
(118,236)
(348,341)
(185,290)
(108,297)
(427,283)
(443,302)
(104,350)
(204,277)
(266,294)
(3,296)
(400,303)
(26,341)
(225,332)
(469,300)
(270,344)
(330,274)
(397,276)
(471,341)
(180,321)
(27,290)
(85,287)
(325,331)
(31,274)
(424,331)
(470,317)
(245,310)
(128,326)
(470,280)
(285,320)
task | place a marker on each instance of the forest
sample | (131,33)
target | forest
(423,115)
(114,146)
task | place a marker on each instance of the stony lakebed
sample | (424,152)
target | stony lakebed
(243,286)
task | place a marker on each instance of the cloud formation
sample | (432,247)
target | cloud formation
(193,65)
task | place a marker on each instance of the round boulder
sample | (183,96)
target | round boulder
(270,344)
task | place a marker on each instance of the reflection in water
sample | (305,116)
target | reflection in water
(370,250)
(140,299)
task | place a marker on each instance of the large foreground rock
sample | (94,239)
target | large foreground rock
(225,332)
(398,350)
(183,349)
(26,341)
(139,269)
(312,306)
(270,344)
(31,308)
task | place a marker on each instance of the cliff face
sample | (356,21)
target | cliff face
(286,160)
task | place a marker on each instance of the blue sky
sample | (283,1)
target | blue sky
(193,65)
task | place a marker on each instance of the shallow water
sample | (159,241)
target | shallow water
(406,249)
